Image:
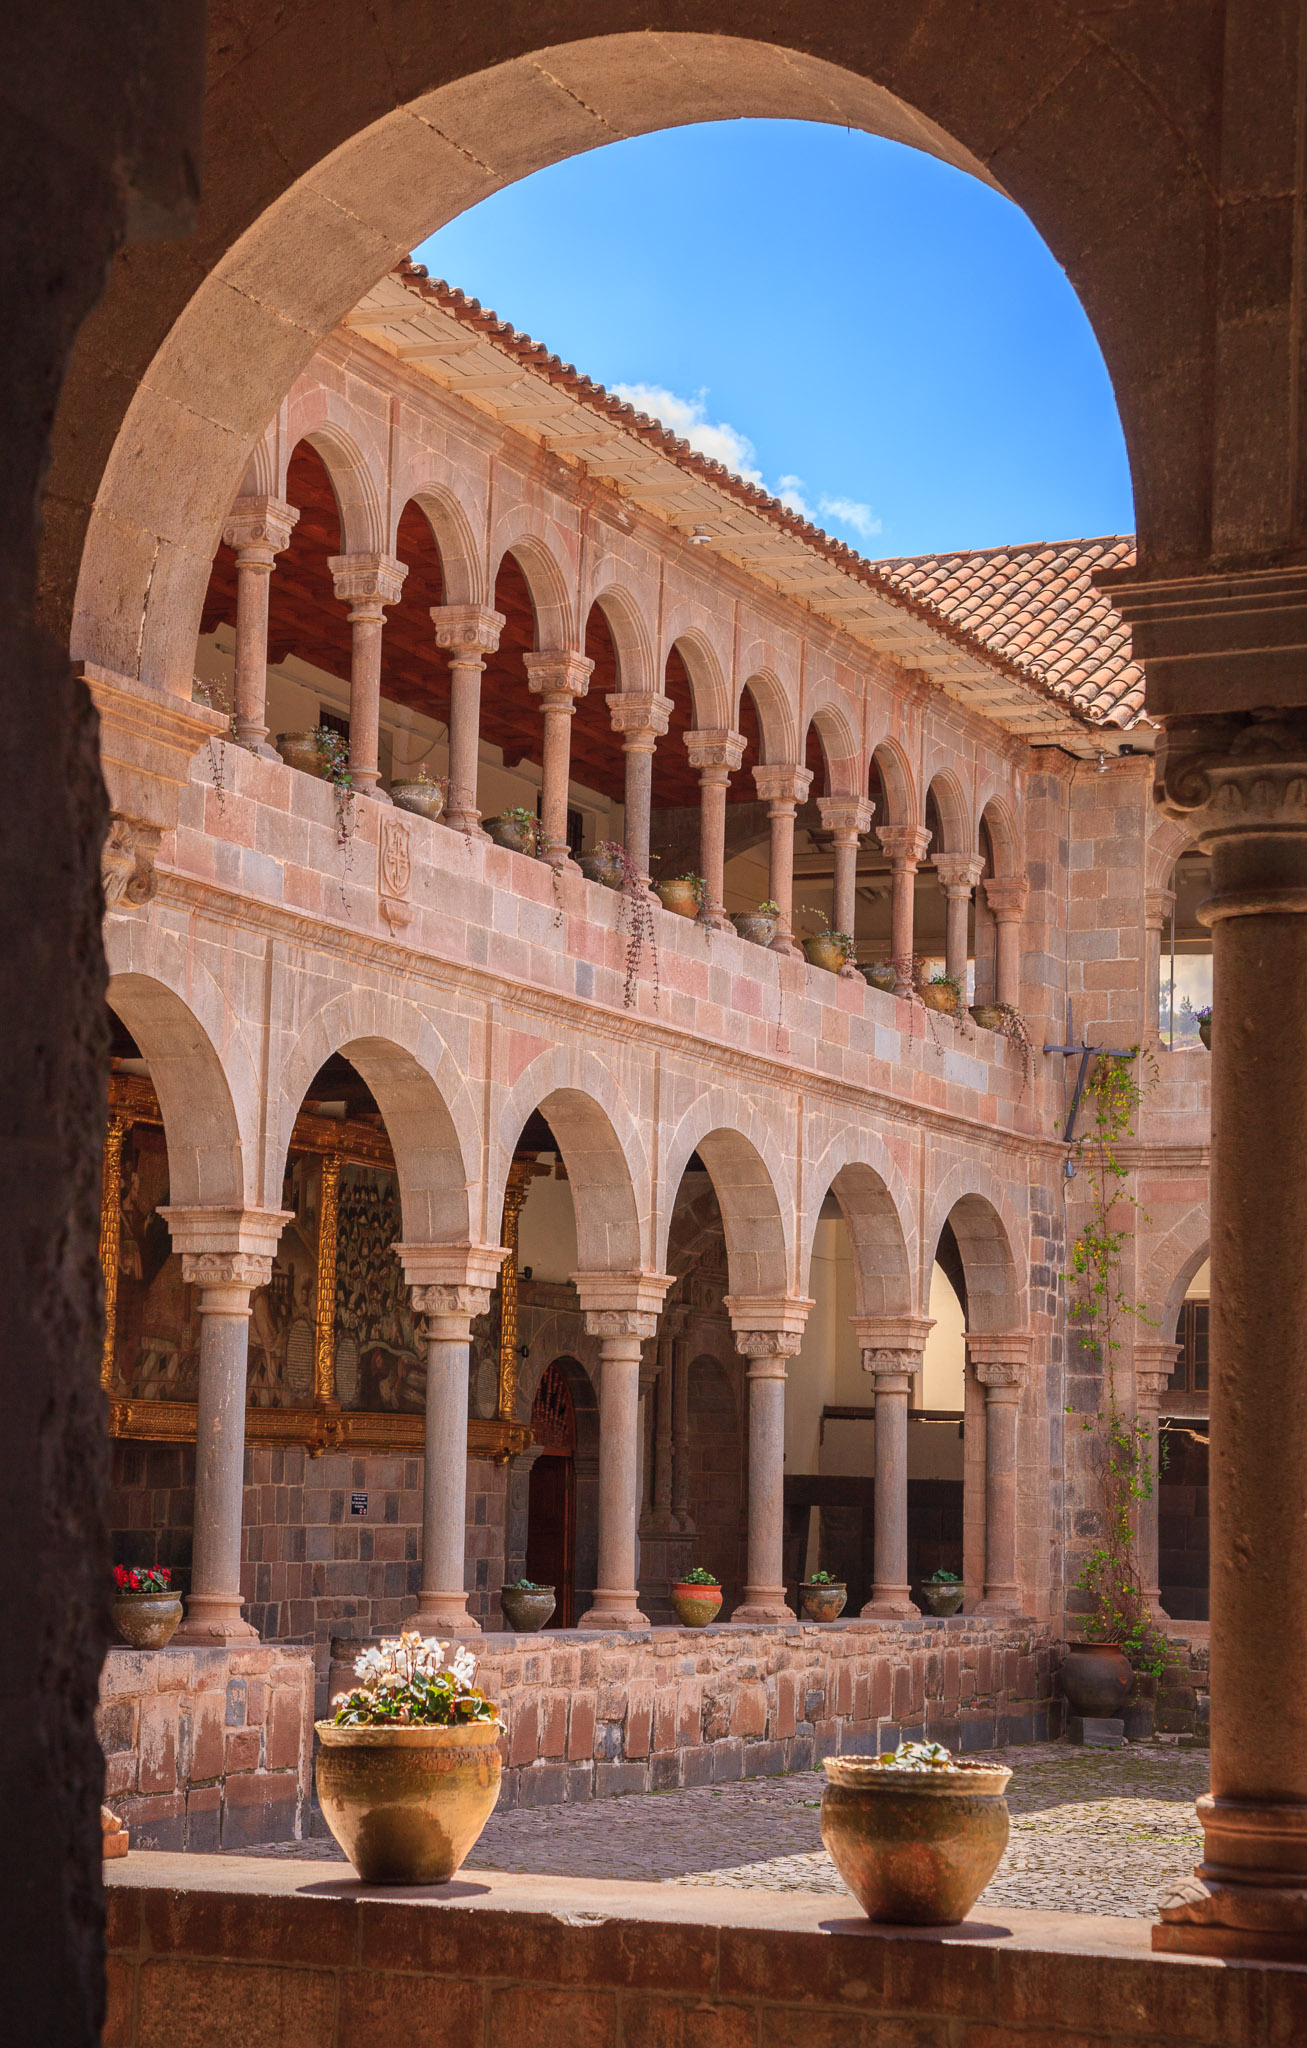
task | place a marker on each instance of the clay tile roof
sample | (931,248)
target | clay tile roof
(1038,604)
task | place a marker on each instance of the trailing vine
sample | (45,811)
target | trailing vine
(333,758)
(1098,1310)
(214,696)
(634,917)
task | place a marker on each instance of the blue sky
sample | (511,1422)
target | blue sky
(869,333)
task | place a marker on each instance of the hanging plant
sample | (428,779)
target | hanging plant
(214,696)
(635,916)
(333,759)
(1013,1028)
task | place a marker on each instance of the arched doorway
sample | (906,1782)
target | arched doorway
(551,1498)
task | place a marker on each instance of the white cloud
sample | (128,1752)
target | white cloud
(688,418)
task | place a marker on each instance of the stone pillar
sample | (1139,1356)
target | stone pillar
(846,818)
(621,1310)
(467,633)
(258,529)
(664,1521)
(641,717)
(449,1285)
(768,1330)
(716,755)
(999,1363)
(681,1514)
(1158,905)
(957,874)
(557,679)
(1239,782)
(782,790)
(891,1352)
(1006,897)
(1154,1364)
(226,1254)
(905,846)
(367,583)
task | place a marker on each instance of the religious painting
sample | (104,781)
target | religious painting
(283,1315)
(380,1362)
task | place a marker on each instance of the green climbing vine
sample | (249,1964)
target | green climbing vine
(1098,1310)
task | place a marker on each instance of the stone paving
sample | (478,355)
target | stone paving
(1093,1831)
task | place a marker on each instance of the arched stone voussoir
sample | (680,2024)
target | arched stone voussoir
(324,418)
(418,1083)
(607,1164)
(859,1170)
(993,1241)
(1171,1265)
(754,1185)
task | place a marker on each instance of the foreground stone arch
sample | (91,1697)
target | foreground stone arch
(211,1158)
(601,1150)
(747,1176)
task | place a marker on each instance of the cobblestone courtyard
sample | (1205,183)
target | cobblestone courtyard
(1092,1832)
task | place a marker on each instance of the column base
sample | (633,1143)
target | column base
(1248,1897)
(372,789)
(1000,1602)
(613,1611)
(213,1619)
(447,1611)
(259,745)
(762,1607)
(785,946)
(890,1603)
(851,973)
(467,822)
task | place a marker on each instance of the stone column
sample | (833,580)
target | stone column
(1154,1364)
(905,846)
(557,679)
(846,818)
(664,1521)
(1239,782)
(367,583)
(1006,897)
(258,529)
(782,790)
(957,874)
(621,1310)
(1158,905)
(999,1363)
(681,1514)
(226,1254)
(891,1352)
(768,1330)
(467,633)
(641,717)
(716,755)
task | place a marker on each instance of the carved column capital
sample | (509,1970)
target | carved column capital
(639,1324)
(622,1304)
(999,1358)
(559,677)
(768,1326)
(1233,781)
(1158,905)
(904,844)
(367,582)
(469,1266)
(1006,896)
(467,632)
(958,873)
(127,873)
(443,1299)
(258,529)
(1154,1364)
(782,785)
(767,1351)
(205,1232)
(890,1369)
(238,1270)
(845,817)
(640,716)
(893,1333)
(715,749)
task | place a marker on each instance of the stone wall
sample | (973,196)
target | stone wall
(589,1716)
(208,1749)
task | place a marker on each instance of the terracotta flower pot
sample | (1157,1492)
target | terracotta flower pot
(525,1611)
(940,1598)
(681,898)
(424,799)
(604,868)
(823,1603)
(407,1804)
(916,1848)
(148,1621)
(300,750)
(1097,1678)
(695,1605)
(1205,1032)
(936,997)
(987,1015)
(823,951)
(518,835)
(753,926)
(884,976)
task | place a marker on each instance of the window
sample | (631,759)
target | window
(1190,1375)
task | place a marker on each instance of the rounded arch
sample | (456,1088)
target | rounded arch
(323,418)
(423,1101)
(1004,839)
(207,1161)
(858,1169)
(453,529)
(605,1160)
(1166,842)
(550,600)
(1172,1266)
(706,667)
(839,745)
(742,1161)
(991,1243)
(956,831)
(632,641)
(898,784)
(776,722)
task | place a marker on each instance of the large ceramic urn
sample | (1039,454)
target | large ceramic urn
(407,1804)
(1096,1678)
(916,1848)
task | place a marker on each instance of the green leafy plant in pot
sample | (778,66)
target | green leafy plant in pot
(757,926)
(697,1598)
(527,1606)
(684,895)
(827,949)
(822,1597)
(942,1593)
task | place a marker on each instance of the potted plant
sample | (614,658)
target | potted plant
(423,794)
(757,926)
(942,1593)
(605,863)
(882,974)
(683,895)
(823,1597)
(517,829)
(408,1766)
(146,1610)
(942,993)
(1097,1679)
(527,1607)
(915,1835)
(300,750)
(1204,1017)
(989,1016)
(827,949)
(696,1596)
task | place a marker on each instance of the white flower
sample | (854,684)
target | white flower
(369,1664)
(464,1666)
